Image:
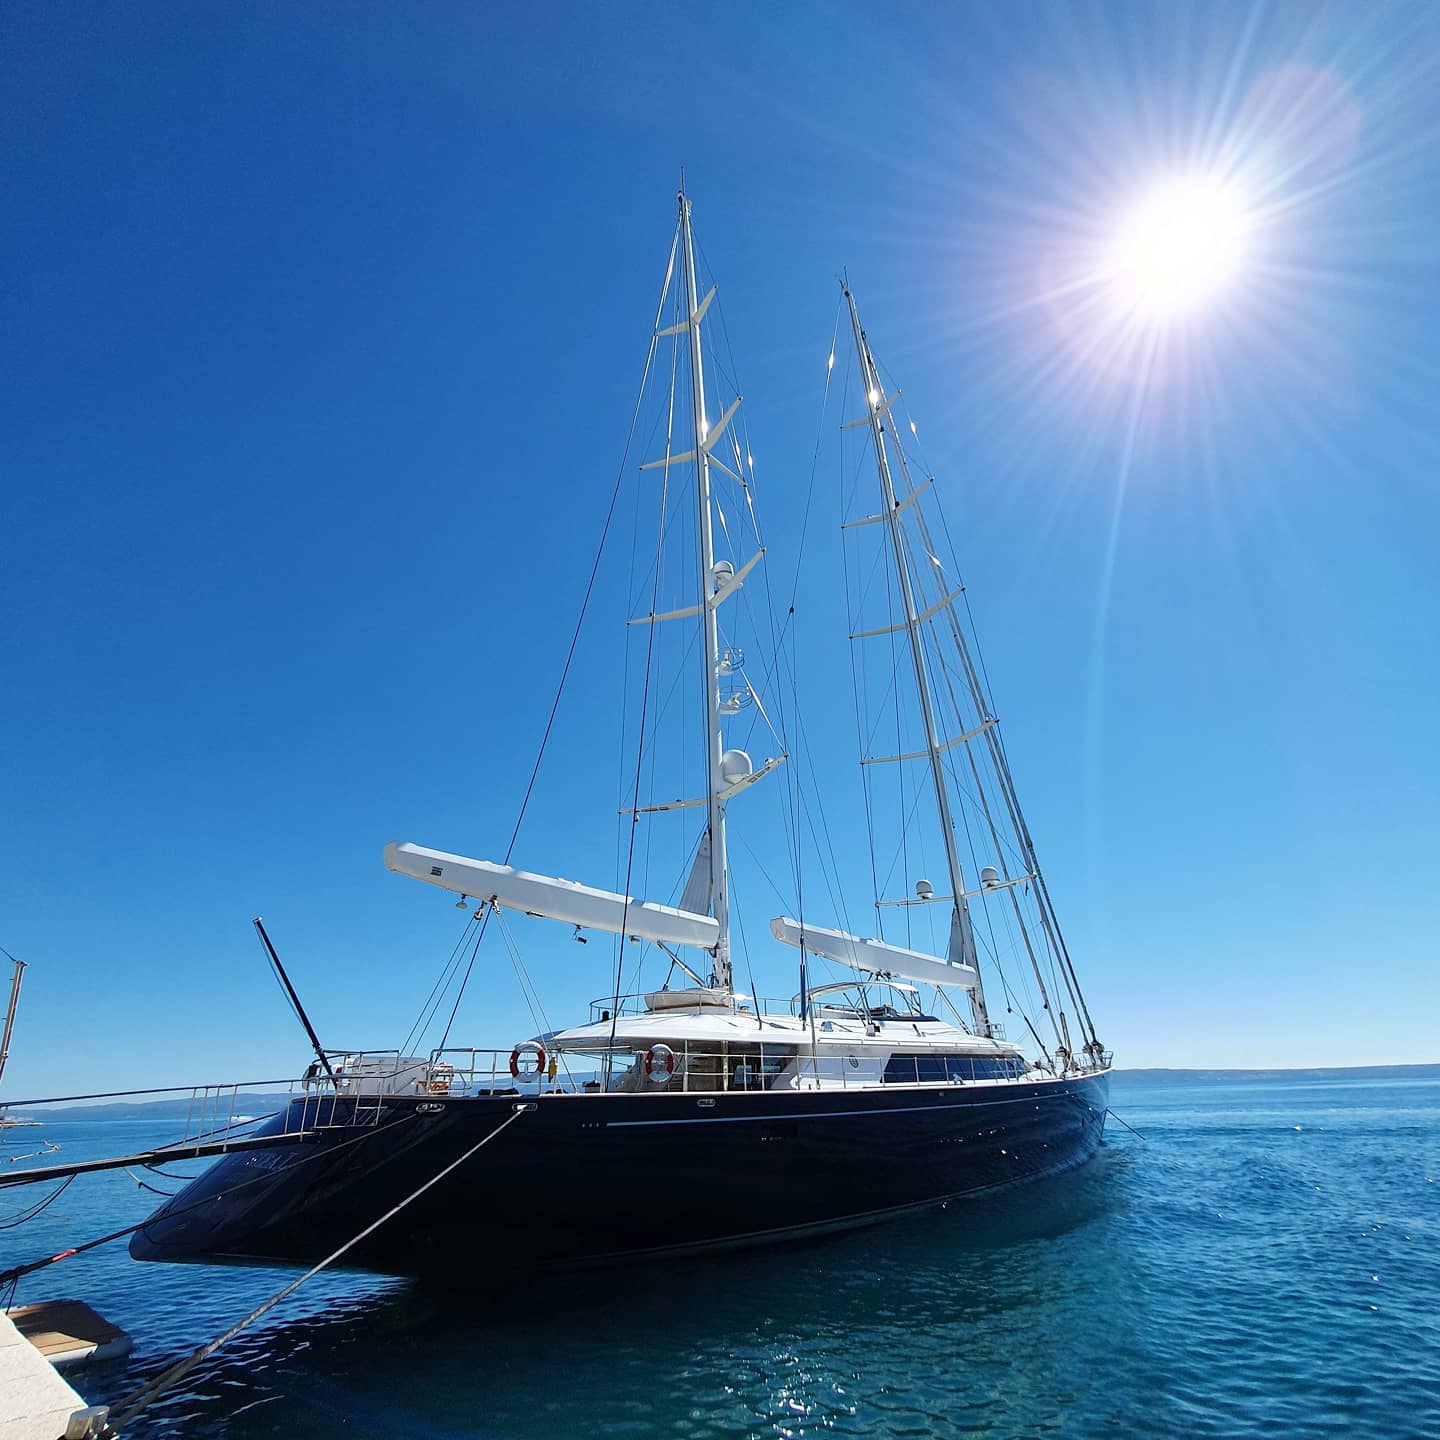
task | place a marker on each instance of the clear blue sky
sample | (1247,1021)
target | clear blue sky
(321,329)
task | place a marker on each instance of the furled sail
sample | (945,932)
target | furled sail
(553,898)
(873,957)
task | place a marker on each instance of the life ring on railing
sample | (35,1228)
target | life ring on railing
(527,1049)
(659,1063)
(440,1079)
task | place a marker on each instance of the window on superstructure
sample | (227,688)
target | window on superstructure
(919,1069)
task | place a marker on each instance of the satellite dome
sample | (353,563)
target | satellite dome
(735,766)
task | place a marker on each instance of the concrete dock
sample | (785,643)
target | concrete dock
(35,1403)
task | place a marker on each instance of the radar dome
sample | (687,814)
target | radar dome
(735,766)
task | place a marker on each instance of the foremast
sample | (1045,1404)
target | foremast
(962,934)
(710,585)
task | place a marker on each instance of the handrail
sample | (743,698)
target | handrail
(436,1075)
(602,1009)
(153,1090)
(741,1064)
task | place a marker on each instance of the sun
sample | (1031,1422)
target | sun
(1179,247)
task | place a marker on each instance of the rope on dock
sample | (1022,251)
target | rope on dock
(128,1408)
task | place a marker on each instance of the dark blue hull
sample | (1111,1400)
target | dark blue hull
(587,1179)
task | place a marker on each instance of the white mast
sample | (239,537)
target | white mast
(709,585)
(962,936)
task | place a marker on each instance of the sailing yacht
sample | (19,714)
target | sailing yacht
(694,1115)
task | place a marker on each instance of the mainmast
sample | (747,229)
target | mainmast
(962,935)
(710,583)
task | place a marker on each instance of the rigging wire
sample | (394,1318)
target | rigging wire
(635,592)
(469,966)
(859,678)
(933,654)
(745,950)
(645,685)
(435,999)
(792,784)
(30,1212)
(580,620)
(17,1272)
(131,1405)
(981,716)
(165,1174)
(145,1184)
(797,810)
(531,992)
(796,791)
(1049,920)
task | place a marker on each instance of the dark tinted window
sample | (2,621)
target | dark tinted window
(910,1069)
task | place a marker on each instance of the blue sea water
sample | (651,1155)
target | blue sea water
(1266,1261)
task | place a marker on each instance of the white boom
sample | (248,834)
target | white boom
(553,898)
(873,957)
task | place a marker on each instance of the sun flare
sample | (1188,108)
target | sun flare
(1179,246)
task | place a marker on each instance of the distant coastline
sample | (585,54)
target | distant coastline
(1314,1072)
(248,1105)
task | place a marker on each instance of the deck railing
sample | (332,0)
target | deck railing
(365,1082)
(458,1072)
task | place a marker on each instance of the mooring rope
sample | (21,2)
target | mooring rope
(128,1408)
(1125,1123)
(17,1272)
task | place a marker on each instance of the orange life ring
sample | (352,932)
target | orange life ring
(527,1047)
(660,1057)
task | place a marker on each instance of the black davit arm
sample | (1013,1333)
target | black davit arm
(320,1055)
